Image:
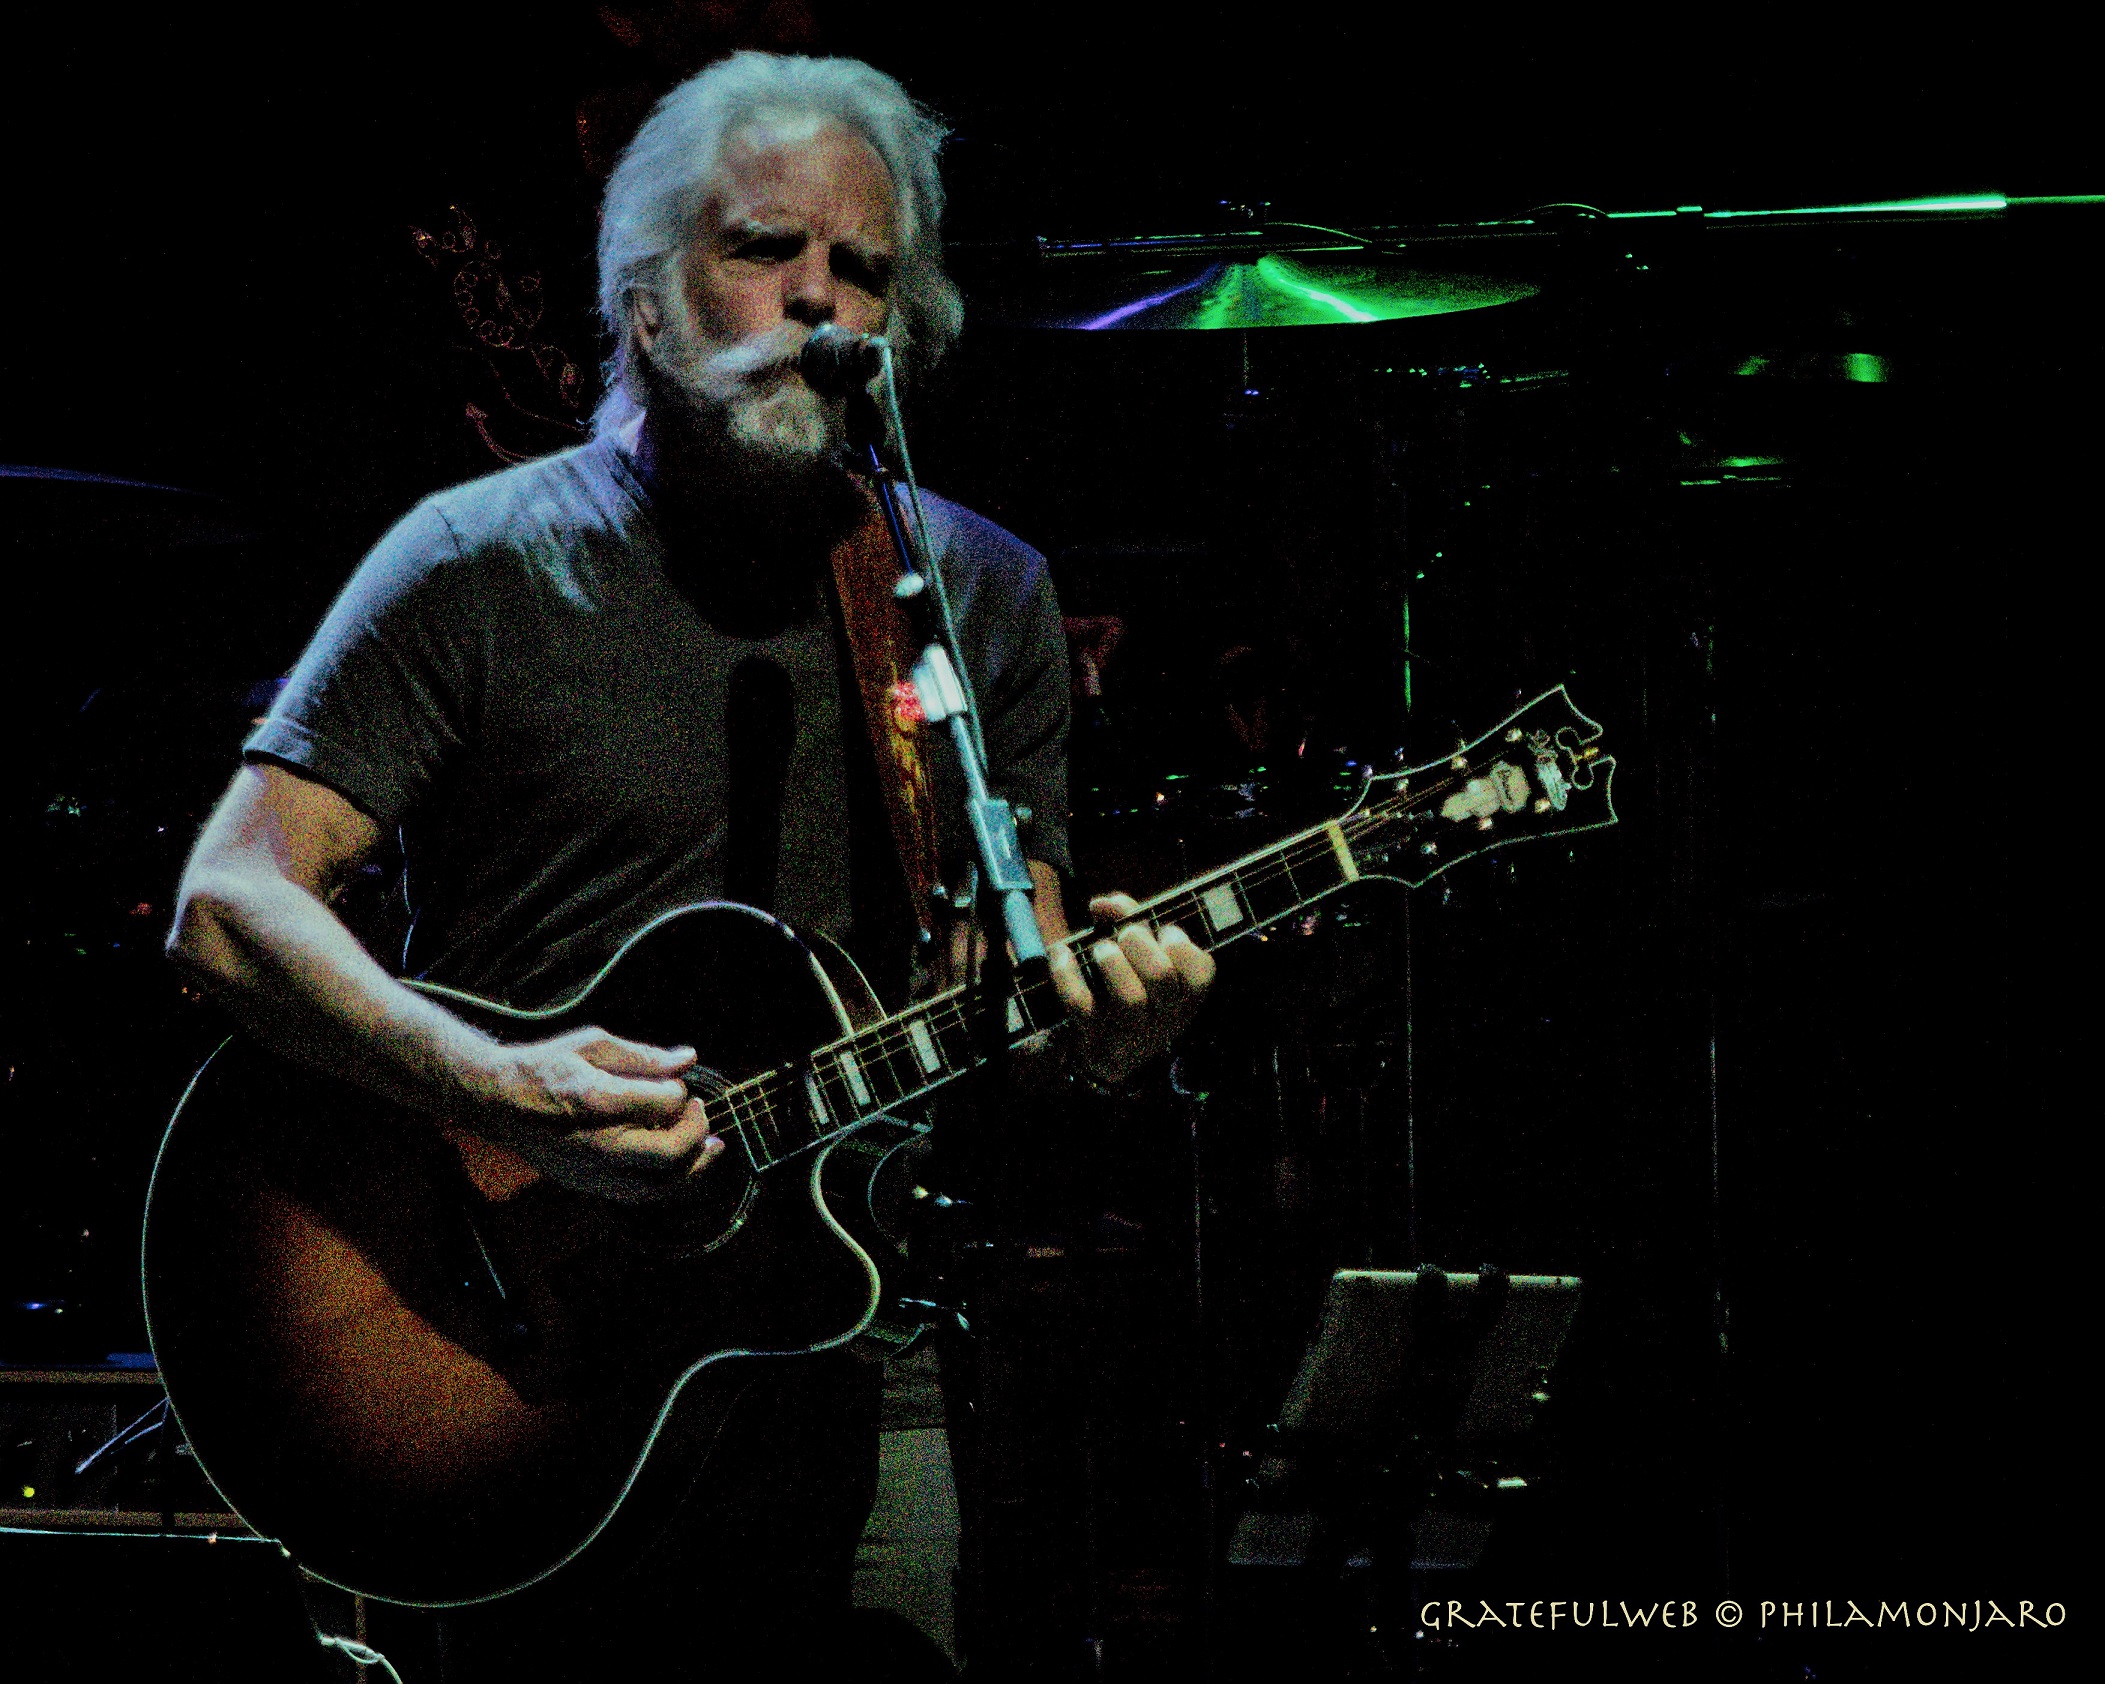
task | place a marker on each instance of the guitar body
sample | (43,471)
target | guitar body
(436,1376)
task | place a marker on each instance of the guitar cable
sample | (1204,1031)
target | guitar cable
(360,1654)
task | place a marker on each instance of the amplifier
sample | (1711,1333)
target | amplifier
(118,1559)
(95,1448)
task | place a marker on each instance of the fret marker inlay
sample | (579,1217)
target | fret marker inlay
(852,1073)
(819,1108)
(924,1044)
(1346,863)
(1223,910)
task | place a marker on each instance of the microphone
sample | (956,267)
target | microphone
(838,362)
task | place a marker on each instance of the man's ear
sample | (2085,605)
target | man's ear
(646,319)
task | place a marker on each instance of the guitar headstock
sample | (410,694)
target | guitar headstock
(1540,771)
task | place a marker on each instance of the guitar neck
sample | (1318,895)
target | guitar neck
(1539,772)
(785,1112)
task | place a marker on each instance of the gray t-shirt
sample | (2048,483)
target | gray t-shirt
(573,730)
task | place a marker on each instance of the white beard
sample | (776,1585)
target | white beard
(747,396)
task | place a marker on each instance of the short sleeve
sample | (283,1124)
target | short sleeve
(388,690)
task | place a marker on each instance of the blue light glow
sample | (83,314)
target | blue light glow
(1111,318)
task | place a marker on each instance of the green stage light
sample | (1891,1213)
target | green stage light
(1274,273)
(1964,204)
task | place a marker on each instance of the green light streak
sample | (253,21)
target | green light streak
(1407,652)
(1952,204)
(1273,273)
(1275,291)
(1223,306)
(1971,204)
(1863,368)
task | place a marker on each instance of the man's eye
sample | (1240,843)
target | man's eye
(769,248)
(873,276)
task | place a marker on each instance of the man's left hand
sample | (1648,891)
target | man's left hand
(1150,986)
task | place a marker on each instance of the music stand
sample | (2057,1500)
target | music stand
(1415,1392)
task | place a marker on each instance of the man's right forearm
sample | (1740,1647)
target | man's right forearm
(284,964)
(600,1114)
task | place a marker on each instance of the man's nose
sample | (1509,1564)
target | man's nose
(809,291)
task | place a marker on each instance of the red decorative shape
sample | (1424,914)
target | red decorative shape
(907,711)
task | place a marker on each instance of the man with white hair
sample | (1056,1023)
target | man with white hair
(614,681)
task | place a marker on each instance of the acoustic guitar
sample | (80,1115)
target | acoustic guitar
(436,1376)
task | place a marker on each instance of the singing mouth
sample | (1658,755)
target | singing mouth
(779,371)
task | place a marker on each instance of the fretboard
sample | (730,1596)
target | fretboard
(784,1112)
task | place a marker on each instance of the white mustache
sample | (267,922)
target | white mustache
(751,362)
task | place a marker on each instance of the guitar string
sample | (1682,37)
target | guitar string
(944,1014)
(892,1037)
(754,1110)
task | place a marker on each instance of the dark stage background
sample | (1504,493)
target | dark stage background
(1775,1065)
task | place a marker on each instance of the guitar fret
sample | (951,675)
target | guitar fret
(1270,894)
(757,1123)
(893,1070)
(840,1098)
(774,1117)
(786,1112)
(725,1120)
(1321,867)
(1187,913)
(1085,962)
(1041,1003)
(769,1116)
(953,1036)
(813,1115)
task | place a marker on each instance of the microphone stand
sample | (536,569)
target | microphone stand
(945,692)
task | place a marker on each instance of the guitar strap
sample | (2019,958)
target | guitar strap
(881,648)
